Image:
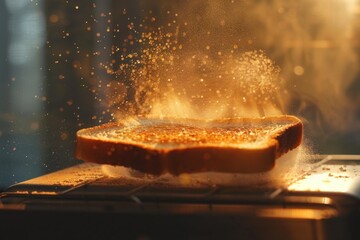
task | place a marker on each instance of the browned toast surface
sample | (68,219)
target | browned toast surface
(236,145)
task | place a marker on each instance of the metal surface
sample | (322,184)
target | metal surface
(321,203)
(335,174)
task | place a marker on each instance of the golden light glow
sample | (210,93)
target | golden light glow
(296,213)
(172,106)
(353,6)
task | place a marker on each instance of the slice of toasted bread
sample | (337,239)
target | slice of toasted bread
(156,146)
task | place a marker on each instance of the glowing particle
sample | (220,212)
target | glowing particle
(299,70)
(34,126)
(54,18)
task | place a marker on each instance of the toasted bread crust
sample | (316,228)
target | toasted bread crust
(189,157)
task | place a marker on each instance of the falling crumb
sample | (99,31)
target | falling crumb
(64,136)
(342,169)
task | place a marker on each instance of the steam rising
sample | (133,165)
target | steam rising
(313,42)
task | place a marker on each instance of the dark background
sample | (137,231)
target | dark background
(51,82)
